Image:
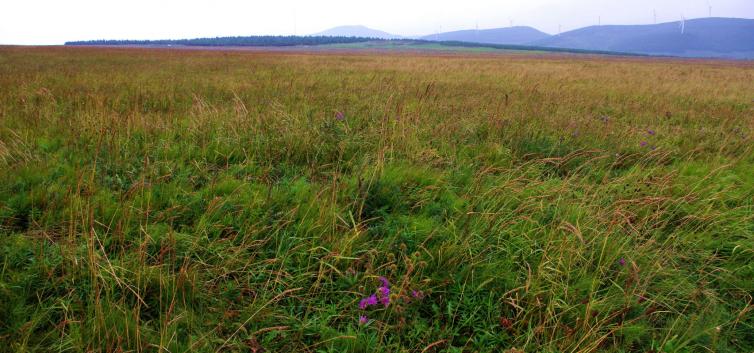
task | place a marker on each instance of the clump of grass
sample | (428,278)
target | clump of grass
(234,201)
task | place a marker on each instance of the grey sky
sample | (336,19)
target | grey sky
(56,21)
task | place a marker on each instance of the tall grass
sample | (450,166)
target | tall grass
(170,201)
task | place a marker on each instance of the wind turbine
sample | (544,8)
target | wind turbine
(683,24)
(599,20)
(709,5)
(655,13)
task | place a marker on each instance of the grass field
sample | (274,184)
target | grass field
(401,46)
(172,201)
(425,47)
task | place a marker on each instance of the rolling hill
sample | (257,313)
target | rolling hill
(356,31)
(508,35)
(704,37)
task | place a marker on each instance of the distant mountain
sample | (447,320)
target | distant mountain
(508,35)
(704,37)
(356,31)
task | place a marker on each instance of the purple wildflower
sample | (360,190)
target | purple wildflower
(384,294)
(417,294)
(368,301)
(372,300)
(385,300)
(384,282)
(363,319)
(643,144)
(622,261)
(651,132)
(340,116)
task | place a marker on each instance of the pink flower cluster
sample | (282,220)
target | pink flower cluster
(382,296)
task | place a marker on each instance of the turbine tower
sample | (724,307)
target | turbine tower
(683,24)
(655,13)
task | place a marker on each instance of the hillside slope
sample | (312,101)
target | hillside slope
(508,35)
(356,31)
(706,37)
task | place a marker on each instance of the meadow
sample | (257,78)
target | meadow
(211,201)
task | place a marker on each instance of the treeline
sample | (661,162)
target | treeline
(283,41)
(249,41)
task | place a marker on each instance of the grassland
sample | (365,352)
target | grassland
(460,47)
(414,47)
(407,46)
(172,201)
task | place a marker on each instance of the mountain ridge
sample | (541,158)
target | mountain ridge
(356,31)
(713,37)
(505,35)
(702,37)
(722,37)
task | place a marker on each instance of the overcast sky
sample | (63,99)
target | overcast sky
(57,21)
